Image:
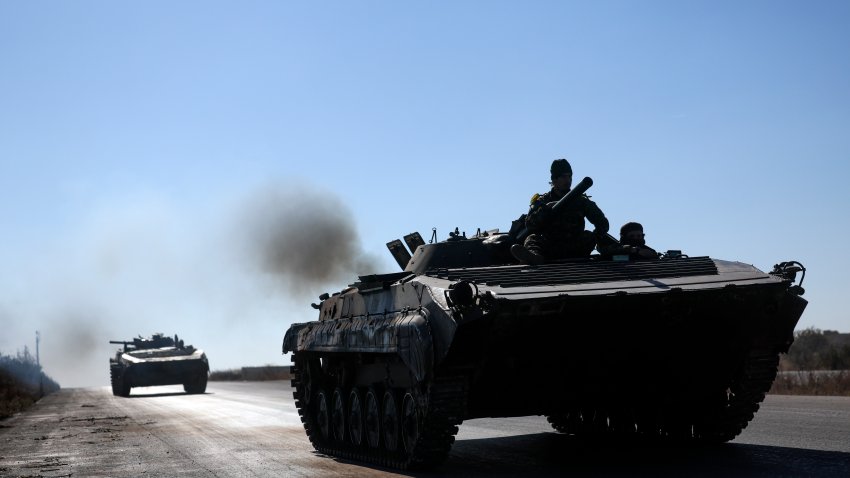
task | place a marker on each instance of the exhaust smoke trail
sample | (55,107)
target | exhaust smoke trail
(307,239)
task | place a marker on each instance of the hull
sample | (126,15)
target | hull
(679,349)
(680,339)
(148,373)
(155,367)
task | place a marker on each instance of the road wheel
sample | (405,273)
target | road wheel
(323,415)
(355,417)
(373,419)
(390,421)
(196,384)
(567,423)
(648,422)
(622,422)
(338,415)
(410,416)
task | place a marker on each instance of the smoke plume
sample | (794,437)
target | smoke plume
(304,238)
(229,277)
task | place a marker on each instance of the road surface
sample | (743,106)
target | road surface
(252,429)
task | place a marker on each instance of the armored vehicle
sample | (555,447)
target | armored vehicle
(157,360)
(674,349)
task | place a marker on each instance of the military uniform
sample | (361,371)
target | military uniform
(559,235)
(635,244)
(644,252)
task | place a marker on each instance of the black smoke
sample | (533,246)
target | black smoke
(305,238)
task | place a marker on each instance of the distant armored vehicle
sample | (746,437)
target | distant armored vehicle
(158,360)
(679,348)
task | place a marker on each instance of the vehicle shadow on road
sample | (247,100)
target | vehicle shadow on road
(165,394)
(552,454)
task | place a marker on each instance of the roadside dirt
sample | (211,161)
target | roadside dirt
(252,429)
(235,429)
(56,437)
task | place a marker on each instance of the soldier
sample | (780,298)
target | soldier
(560,235)
(631,235)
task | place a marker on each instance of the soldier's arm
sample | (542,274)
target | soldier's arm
(596,217)
(647,252)
(536,213)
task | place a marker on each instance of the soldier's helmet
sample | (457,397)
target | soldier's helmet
(629,227)
(559,167)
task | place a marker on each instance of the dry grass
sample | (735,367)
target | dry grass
(14,400)
(22,383)
(812,382)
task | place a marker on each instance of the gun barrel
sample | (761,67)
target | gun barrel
(575,192)
(120,342)
(580,189)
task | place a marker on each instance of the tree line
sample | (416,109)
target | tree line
(22,382)
(815,349)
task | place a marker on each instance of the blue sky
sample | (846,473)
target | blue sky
(147,150)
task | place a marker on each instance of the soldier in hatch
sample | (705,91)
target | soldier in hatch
(560,235)
(632,236)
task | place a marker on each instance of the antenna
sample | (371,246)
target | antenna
(38,365)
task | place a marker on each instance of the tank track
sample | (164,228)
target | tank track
(719,423)
(444,409)
(744,399)
(119,388)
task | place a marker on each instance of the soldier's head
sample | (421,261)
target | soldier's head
(631,234)
(561,174)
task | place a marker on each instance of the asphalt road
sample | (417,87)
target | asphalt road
(252,429)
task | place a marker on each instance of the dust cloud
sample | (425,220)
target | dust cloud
(74,342)
(229,277)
